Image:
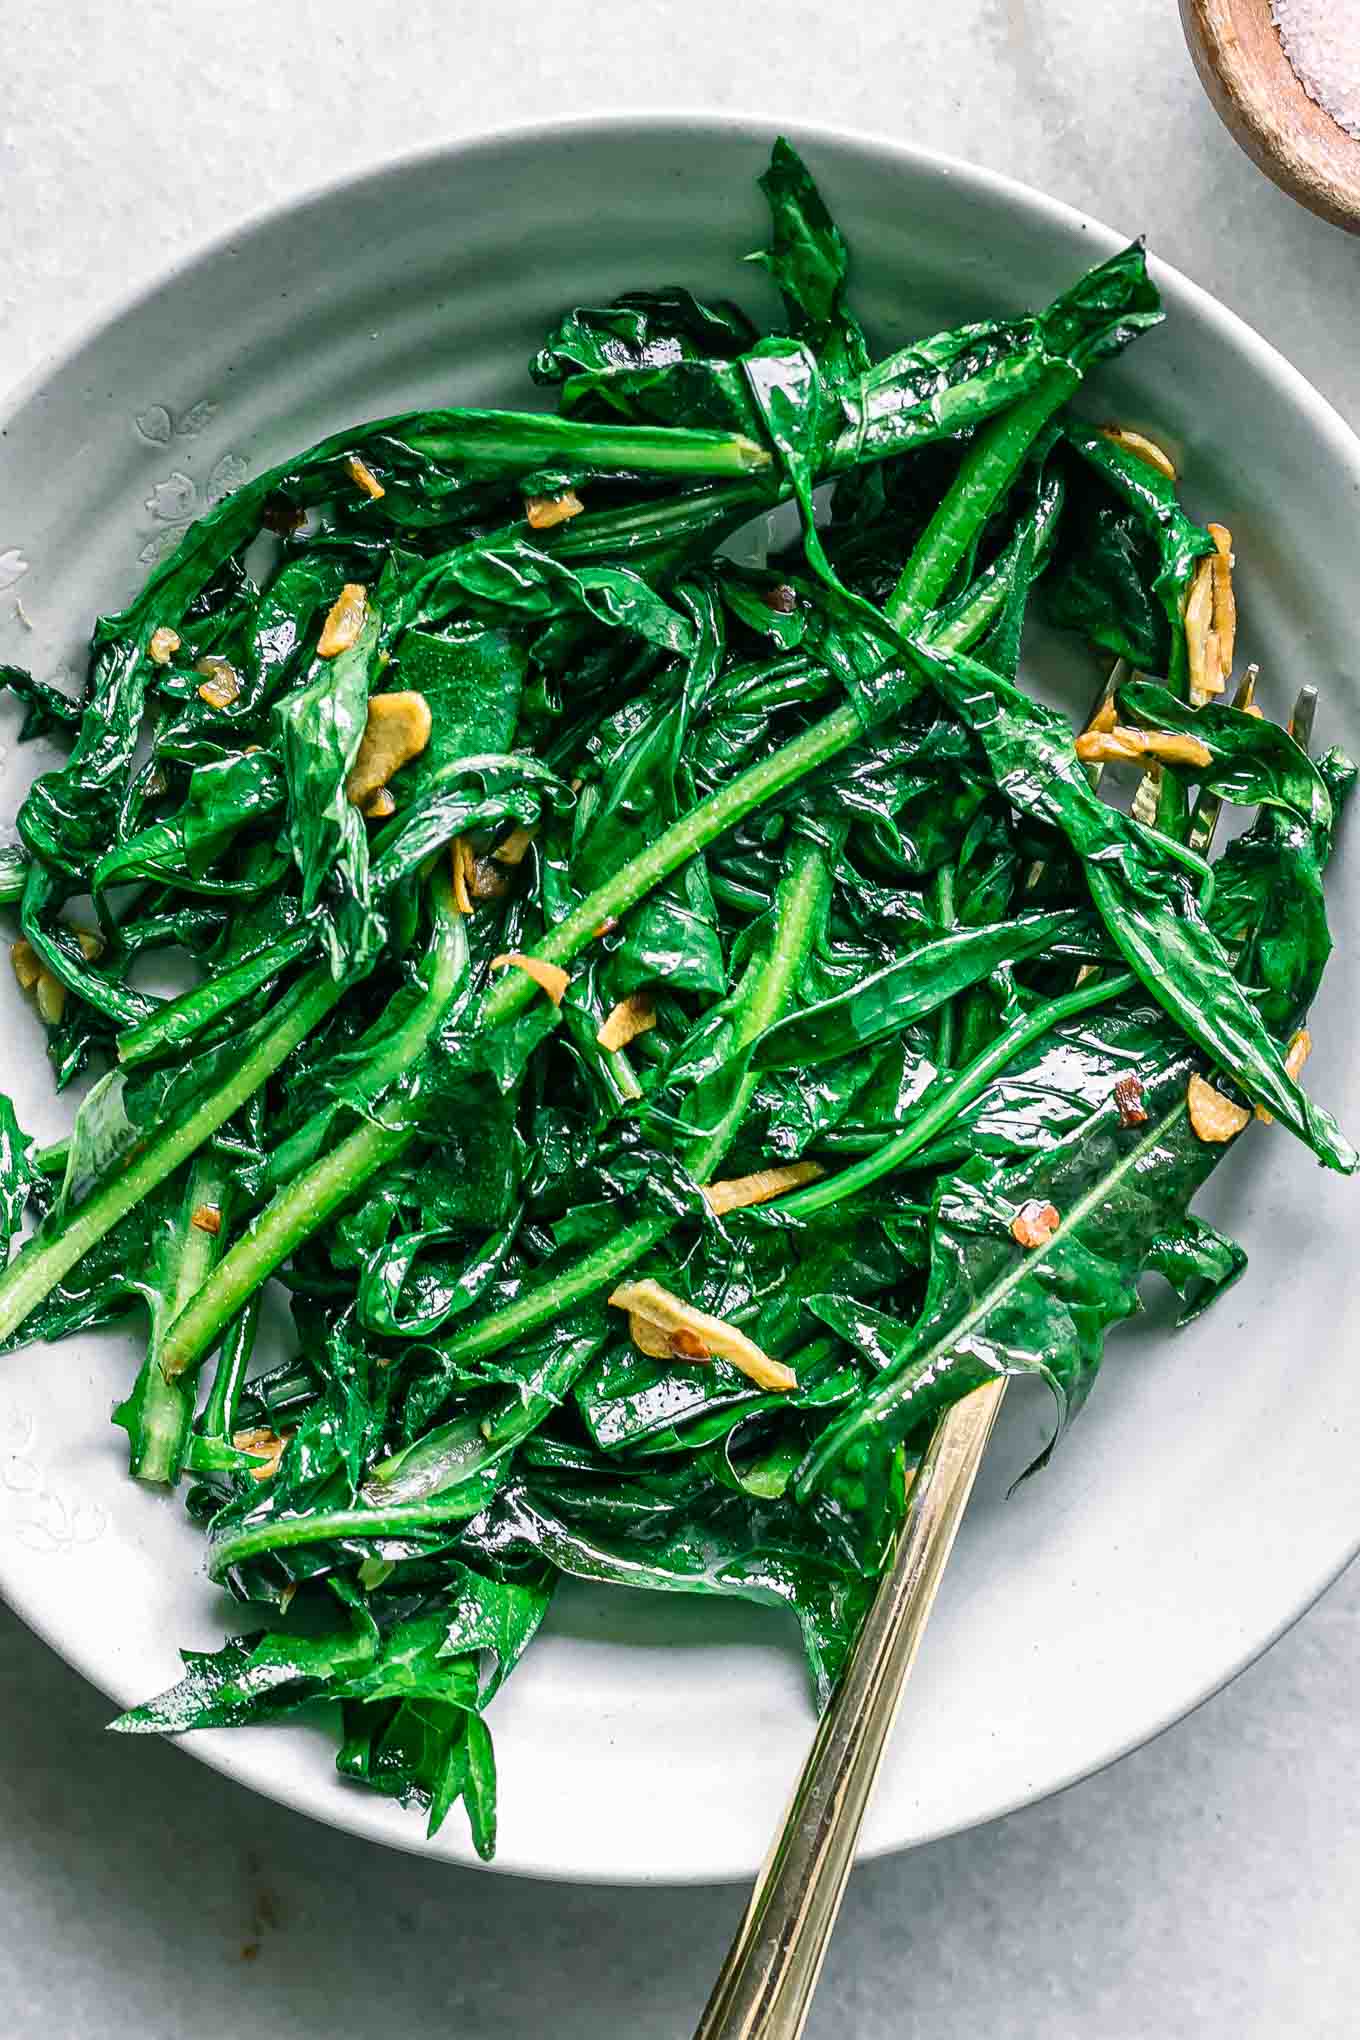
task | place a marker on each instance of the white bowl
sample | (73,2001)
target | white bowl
(1207,1494)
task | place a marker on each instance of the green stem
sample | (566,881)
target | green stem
(948,1101)
(975,490)
(561,1294)
(452,1505)
(643,528)
(620,1073)
(526,440)
(990,465)
(957,628)
(48,1256)
(988,468)
(799,909)
(283,1225)
(158,1414)
(675,846)
(963,621)
(309,1199)
(176,1023)
(394,1044)
(219,1412)
(944,918)
(635,528)
(799,905)
(796,680)
(447,1457)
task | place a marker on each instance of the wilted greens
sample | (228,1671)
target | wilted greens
(673,1015)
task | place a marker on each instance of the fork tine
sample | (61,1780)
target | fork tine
(1209,806)
(1115,678)
(1303,716)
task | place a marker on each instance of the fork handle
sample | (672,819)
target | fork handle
(764,1988)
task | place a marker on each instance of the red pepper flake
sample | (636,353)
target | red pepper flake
(1034,1224)
(606,927)
(1128,1096)
(487,881)
(282,517)
(688,1345)
(782,599)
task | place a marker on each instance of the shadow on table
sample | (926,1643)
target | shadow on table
(143,1892)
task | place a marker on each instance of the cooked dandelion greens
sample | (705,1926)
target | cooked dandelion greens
(672,1024)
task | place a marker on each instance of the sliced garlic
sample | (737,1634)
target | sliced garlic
(1125,744)
(1199,616)
(345,621)
(1147,799)
(461,858)
(631,1017)
(1110,747)
(163,645)
(364,478)
(27,968)
(653,1340)
(221,682)
(1142,448)
(1214,1117)
(672,1317)
(515,847)
(1224,601)
(549,976)
(736,1192)
(1128,1097)
(543,512)
(397,730)
(264,1445)
(51,998)
(1177,747)
(487,881)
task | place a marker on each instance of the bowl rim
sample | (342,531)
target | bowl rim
(754,122)
(351,1814)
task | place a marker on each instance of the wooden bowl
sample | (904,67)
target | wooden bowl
(1244,70)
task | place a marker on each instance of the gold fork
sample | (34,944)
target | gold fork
(765,1986)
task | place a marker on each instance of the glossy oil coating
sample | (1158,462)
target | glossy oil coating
(853,196)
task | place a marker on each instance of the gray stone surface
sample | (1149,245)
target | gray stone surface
(1205,1886)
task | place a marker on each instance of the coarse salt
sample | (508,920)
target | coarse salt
(1322,42)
